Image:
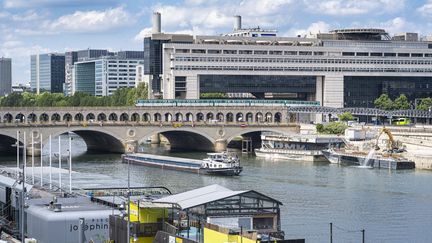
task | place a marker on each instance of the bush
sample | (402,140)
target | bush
(332,128)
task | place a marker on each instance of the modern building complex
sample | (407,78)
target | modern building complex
(342,68)
(5,76)
(47,72)
(74,56)
(104,75)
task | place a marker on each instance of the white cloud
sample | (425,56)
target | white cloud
(28,16)
(354,7)
(314,28)
(53,3)
(426,9)
(143,33)
(90,21)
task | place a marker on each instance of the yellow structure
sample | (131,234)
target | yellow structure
(216,234)
(146,213)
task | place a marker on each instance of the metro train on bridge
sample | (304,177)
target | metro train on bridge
(225,102)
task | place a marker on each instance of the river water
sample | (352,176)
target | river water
(392,206)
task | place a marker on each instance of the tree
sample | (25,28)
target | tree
(383,102)
(12,100)
(346,116)
(425,104)
(331,128)
(401,103)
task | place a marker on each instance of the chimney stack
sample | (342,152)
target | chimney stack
(237,22)
(156,23)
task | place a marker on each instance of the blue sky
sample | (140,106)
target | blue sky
(38,26)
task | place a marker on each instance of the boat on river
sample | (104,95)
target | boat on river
(296,147)
(215,164)
(362,159)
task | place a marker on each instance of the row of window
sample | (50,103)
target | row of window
(301,53)
(306,60)
(302,69)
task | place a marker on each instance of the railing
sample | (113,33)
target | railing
(225,102)
(361,111)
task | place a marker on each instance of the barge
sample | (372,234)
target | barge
(296,147)
(214,164)
(375,161)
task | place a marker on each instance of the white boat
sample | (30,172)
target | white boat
(297,147)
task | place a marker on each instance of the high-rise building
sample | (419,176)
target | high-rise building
(5,76)
(102,76)
(75,56)
(47,72)
(342,68)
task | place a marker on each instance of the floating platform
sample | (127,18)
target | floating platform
(344,158)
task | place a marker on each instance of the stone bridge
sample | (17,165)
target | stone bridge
(120,129)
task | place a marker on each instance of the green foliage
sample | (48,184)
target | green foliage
(213,95)
(346,116)
(121,97)
(401,103)
(425,104)
(331,128)
(320,128)
(384,102)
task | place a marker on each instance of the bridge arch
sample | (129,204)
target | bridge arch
(268,117)
(7,118)
(20,117)
(135,117)
(229,117)
(67,117)
(220,116)
(90,116)
(79,117)
(249,117)
(157,117)
(6,142)
(44,117)
(112,117)
(96,139)
(55,117)
(168,117)
(189,117)
(239,117)
(199,117)
(277,117)
(101,117)
(179,117)
(147,117)
(185,139)
(259,117)
(209,116)
(32,118)
(124,117)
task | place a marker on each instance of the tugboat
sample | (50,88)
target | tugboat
(215,164)
(389,158)
(221,164)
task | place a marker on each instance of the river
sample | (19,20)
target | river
(392,206)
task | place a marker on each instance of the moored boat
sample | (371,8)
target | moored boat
(214,164)
(370,160)
(296,147)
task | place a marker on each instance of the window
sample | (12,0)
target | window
(348,53)
(362,54)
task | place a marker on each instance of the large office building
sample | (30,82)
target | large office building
(104,75)
(5,76)
(342,68)
(74,56)
(47,72)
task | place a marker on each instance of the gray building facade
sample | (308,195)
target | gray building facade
(5,76)
(47,72)
(82,55)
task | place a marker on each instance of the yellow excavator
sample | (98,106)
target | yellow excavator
(392,145)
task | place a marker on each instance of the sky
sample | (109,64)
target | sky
(40,26)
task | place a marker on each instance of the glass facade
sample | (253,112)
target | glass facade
(85,77)
(5,76)
(362,91)
(49,70)
(257,83)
